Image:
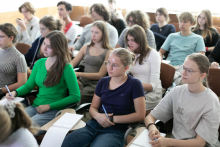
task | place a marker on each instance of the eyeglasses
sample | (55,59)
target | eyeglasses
(132,22)
(1,37)
(113,66)
(187,70)
(43,29)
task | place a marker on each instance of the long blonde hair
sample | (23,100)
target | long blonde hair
(208,25)
(10,125)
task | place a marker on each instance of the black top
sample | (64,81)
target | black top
(208,43)
(214,56)
(119,25)
(161,34)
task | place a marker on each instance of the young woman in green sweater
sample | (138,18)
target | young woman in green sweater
(54,76)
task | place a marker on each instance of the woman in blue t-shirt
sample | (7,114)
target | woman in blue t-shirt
(162,29)
(119,95)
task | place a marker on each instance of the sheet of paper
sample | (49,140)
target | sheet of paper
(166,61)
(54,137)
(143,140)
(16,100)
(75,52)
(68,120)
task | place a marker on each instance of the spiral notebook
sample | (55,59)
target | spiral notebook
(56,133)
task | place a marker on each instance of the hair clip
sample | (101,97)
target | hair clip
(10,106)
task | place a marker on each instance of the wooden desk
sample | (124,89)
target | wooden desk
(139,131)
(79,125)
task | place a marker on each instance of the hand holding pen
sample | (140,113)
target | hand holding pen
(103,119)
(10,95)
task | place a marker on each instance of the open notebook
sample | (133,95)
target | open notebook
(143,140)
(56,133)
(4,101)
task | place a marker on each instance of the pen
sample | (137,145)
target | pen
(105,111)
(8,90)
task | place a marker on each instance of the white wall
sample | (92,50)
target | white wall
(147,5)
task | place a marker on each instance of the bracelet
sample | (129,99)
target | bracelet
(111,118)
(206,48)
(149,125)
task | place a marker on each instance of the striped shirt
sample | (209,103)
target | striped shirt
(11,63)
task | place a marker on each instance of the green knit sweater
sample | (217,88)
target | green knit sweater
(54,95)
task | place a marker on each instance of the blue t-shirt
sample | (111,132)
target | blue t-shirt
(179,47)
(120,100)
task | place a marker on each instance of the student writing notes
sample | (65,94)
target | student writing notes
(54,76)
(193,106)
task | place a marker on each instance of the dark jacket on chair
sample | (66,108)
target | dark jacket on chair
(32,53)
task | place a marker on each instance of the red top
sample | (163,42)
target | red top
(67,27)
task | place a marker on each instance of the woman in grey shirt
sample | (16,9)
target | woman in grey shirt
(13,68)
(142,19)
(193,106)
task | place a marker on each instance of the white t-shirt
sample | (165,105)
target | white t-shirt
(71,34)
(31,33)
(149,71)
(20,138)
(193,114)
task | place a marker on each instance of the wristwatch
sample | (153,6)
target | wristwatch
(1,91)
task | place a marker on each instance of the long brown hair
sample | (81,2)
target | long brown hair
(140,38)
(59,45)
(10,125)
(208,25)
(105,39)
(203,63)
(140,18)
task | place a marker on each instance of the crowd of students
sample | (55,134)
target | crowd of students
(121,72)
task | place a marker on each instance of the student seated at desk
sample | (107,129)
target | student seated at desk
(162,29)
(16,127)
(146,66)
(54,76)
(93,57)
(193,106)
(204,27)
(13,68)
(47,24)
(28,28)
(181,44)
(121,96)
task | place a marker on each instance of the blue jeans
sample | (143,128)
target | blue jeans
(40,119)
(94,135)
